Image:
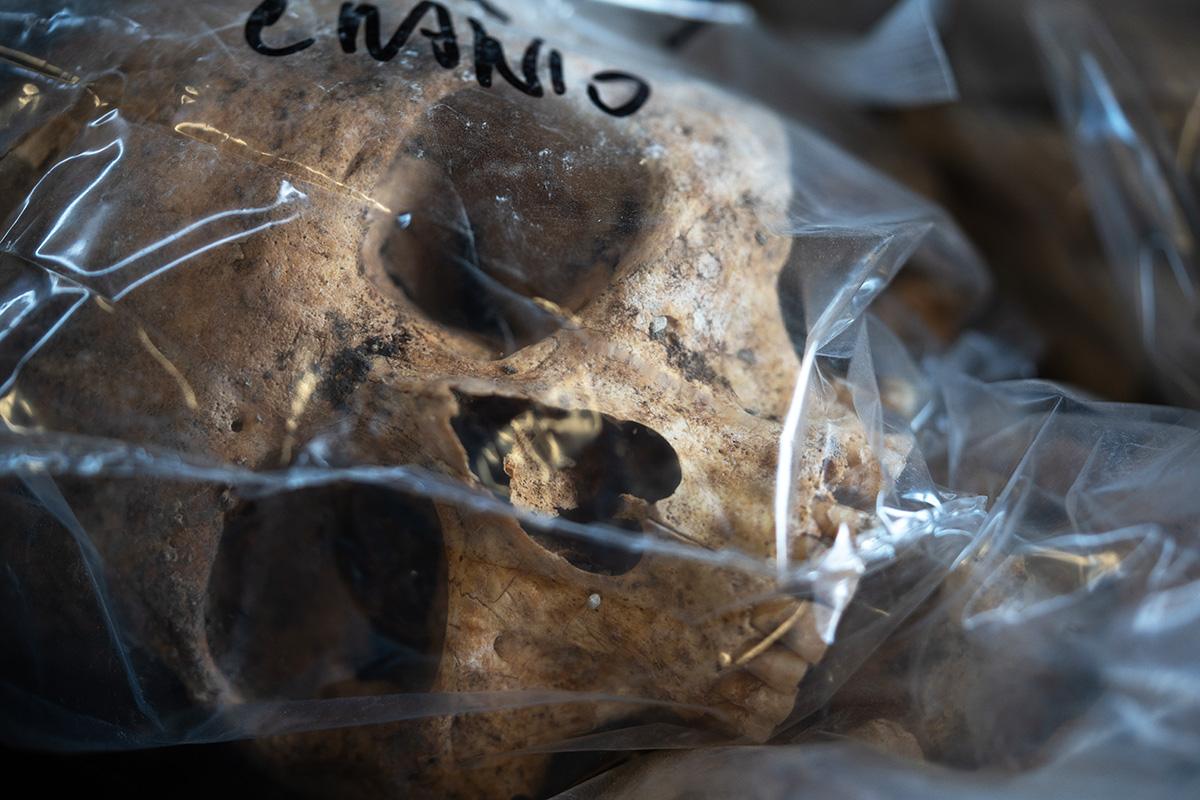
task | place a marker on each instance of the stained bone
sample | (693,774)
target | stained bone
(350,327)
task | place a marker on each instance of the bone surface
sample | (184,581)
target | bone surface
(567,320)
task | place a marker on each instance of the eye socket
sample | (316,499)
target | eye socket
(504,215)
(609,470)
(312,586)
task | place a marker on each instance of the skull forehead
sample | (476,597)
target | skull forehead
(248,325)
(273,306)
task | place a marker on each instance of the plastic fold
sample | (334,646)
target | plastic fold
(486,410)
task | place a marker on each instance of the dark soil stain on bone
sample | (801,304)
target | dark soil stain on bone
(693,365)
(351,366)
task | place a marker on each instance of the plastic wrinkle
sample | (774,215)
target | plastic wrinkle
(343,391)
(1145,209)
(721,12)
(899,62)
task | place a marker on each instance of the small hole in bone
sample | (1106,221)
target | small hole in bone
(318,590)
(504,217)
(580,466)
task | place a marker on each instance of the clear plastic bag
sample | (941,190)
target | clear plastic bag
(1055,659)
(1144,205)
(465,408)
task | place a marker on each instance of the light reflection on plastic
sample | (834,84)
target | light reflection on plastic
(203,132)
(287,194)
(29,96)
(304,391)
(189,396)
(838,573)
(56,289)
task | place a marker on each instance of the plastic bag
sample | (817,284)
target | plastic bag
(447,401)
(1145,207)
(1056,659)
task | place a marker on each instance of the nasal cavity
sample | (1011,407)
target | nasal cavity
(580,466)
(503,218)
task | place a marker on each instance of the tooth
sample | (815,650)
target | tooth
(762,704)
(744,724)
(771,613)
(779,668)
(769,616)
(737,686)
(801,638)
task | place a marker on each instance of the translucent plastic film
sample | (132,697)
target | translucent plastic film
(1145,206)
(898,61)
(451,404)
(1058,657)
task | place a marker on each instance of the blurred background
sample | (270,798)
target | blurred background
(999,160)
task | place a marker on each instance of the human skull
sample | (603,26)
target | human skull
(525,303)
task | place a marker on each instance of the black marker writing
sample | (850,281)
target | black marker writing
(445,45)
(488,51)
(267,14)
(640,95)
(556,72)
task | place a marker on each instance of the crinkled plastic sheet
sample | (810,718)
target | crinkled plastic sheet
(1016,593)
(723,11)
(1143,200)
(898,62)
(1058,658)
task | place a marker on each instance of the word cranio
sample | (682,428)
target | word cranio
(489,53)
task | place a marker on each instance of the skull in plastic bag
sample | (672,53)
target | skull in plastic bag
(429,301)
